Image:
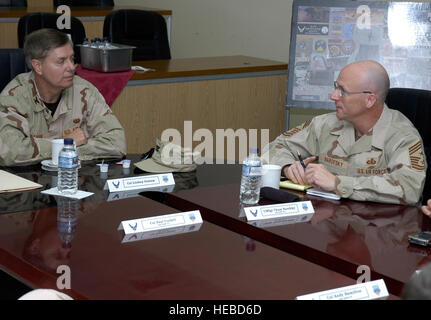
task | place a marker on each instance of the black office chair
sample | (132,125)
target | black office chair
(85,3)
(13,3)
(12,63)
(146,30)
(415,104)
(38,20)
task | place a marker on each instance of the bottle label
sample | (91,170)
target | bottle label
(251,171)
(67,163)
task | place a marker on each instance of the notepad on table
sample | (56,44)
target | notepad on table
(12,183)
(324,194)
(294,186)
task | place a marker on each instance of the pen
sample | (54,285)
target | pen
(300,160)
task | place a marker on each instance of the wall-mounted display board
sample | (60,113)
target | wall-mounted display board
(328,35)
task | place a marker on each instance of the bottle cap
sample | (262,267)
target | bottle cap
(68,141)
(254,149)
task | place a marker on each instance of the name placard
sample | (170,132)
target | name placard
(272,211)
(140,182)
(160,233)
(161,222)
(362,291)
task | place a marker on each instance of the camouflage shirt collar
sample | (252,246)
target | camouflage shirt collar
(381,127)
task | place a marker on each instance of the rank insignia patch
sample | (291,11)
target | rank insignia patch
(416,156)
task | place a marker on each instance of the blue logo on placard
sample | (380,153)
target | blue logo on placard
(376,289)
(192,216)
(116,185)
(133,227)
(304,206)
(165,179)
(253,213)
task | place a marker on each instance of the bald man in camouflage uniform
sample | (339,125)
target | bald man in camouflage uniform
(51,102)
(365,150)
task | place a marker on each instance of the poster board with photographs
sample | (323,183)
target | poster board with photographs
(326,36)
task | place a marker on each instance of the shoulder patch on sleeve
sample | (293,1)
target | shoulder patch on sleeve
(417,156)
(291,132)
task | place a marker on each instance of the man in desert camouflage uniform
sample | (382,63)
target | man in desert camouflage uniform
(365,150)
(51,102)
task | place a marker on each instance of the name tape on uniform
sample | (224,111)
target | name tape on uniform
(292,209)
(161,222)
(140,182)
(362,291)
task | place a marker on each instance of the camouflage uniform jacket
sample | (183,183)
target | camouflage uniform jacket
(385,165)
(27,126)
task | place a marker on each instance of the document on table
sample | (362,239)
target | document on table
(12,183)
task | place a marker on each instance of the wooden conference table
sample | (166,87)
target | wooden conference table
(91,17)
(227,258)
(208,263)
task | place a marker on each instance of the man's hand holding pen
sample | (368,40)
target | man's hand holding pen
(305,172)
(296,171)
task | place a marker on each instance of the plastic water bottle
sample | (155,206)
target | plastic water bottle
(251,178)
(68,168)
(85,42)
(93,43)
(67,219)
(105,43)
(98,42)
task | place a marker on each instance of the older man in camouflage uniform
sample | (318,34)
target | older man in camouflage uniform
(51,102)
(366,151)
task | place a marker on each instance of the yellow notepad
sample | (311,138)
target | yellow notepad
(294,186)
(12,183)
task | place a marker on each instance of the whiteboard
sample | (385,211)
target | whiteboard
(326,36)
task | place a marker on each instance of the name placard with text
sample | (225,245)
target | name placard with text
(161,222)
(362,291)
(140,182)
(291,209)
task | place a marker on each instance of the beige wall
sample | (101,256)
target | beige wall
(226,27)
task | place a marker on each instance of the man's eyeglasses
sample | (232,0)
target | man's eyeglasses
(342,92)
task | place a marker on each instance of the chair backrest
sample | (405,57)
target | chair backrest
(415,104)
(12,63)
(38,20)
(13,3)
(146,30)
(86,3)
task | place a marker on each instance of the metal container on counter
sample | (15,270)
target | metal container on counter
(113,57)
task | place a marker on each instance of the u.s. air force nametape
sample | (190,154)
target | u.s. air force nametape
(303,209)
(140,182)
(362,291)
(161,222)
